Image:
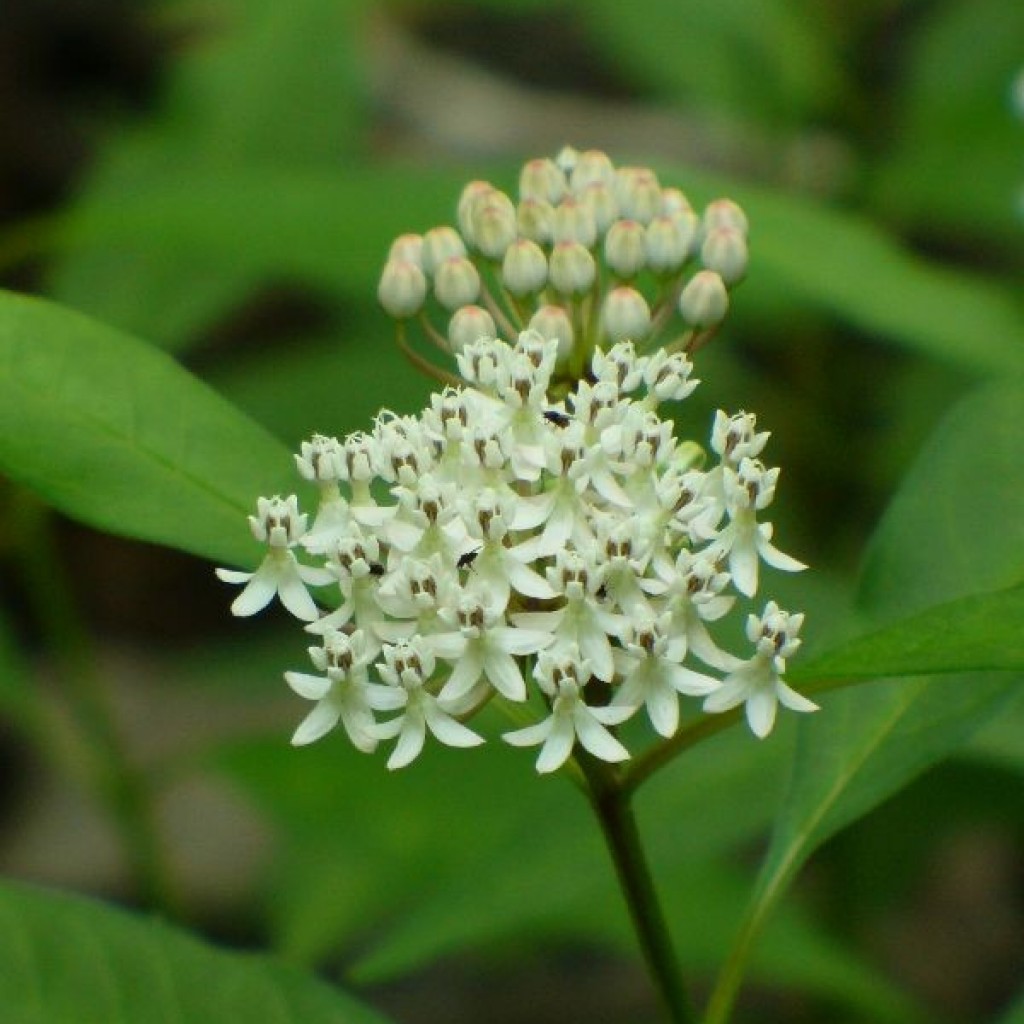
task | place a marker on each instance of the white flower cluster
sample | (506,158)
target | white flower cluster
(591,254)
(564,558)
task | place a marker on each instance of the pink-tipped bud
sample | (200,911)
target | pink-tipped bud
(725,251)
(542,179)
(494,224)
(534,218)
(440,244)
(705,300)
(456,283)
(625,315)
(625,249)
(673,200)
(592,167)
(471,195)
(572,270)
(467,325)
(724,213)
(402,289)
(574,222)
(407,249)
(554,322)
(604,207)
(668,240)
(639,193)
(524,271)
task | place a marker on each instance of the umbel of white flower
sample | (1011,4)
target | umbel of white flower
(568,560)
(589,254)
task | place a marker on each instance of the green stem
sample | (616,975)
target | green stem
(614,811)
(121,784)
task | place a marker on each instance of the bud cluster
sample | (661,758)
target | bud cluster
(566,559)
(591,254)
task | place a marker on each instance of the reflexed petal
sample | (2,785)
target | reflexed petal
(258,592)
(793,700)
(663,707)
(778,559)
(520,641)
(595,737)
(531,735)
(310,687)
(594,646)
(527,581)
(446,645)
(320,721)
(743,565)
(294,595)
(503,672)
(386,698)
(359,725)
(761,712)
(388,730)
(693,684)
(466,672)
(448,730)
(233,575)
(410,741)
(316,576)
(612,714)
(728,695)
(558,746)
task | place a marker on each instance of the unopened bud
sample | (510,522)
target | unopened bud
(471,195)
(592,166)
(494,224)
(402,289)
(541,179)
(457,283)
(572,270)
(724,213)
(554,322)
(440,244)
(566,159)
(625,315)
(574,222)
(725,251)
(624,247)
(705,300)
(599,197)
(668,239)
(639,193)
(407,249)
(534,218)
(673,200)
(467,325)
(524,271)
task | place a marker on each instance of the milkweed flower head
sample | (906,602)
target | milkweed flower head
(538,538)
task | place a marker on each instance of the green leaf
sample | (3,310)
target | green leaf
(956,527)
(67,960)
(980,632)
(117,435)
(1015,1013)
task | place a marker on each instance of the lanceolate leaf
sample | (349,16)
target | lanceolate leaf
(119,436)
(69,960)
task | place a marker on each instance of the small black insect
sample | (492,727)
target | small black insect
(376,569)
(558,418)
(466,560)
(602,592)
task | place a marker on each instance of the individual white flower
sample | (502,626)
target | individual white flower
(652,677)
(736,437)
(562,677)
(280,526)
(757,682)
(343,693)
(406,668)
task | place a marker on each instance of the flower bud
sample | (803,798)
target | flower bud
(467,325)
(554,322)
(624,247)
(673,200)
(599,197)
(471,195)
(402,289)
(724,213)
(667,241)
(574,222)
(705,300)
(592,167)
(440,244)
(524,271)
(572,269)
(494,224)
(534,218)
(541,179)
(457,283)
(625,315)
(725,251)
(639,193)
(566,159)
(407,248)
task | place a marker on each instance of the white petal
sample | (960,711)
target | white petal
(558,746)
(761,712)
(531,512)
(258,592)
(727,696)
(520,641)
(320,721)
(693,684)
(594,646)
(449,646)
(503,672)
(793,700)
(294,595)
(310,687)
(448,730)
(595,737)
(385,698)
(663,707)
(359,727)
(316,576)
(388,730)
(777,559)
(410,741)
(546,622)
(233,575)
(528,582)
(612,714)
(743,565)
(466,672)
(531,735)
